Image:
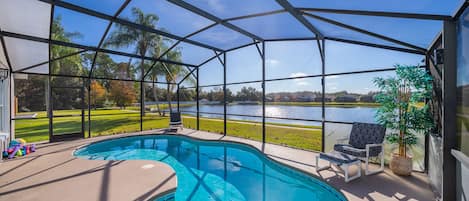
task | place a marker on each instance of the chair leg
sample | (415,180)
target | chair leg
(345,167)
(381,168)
(321,168)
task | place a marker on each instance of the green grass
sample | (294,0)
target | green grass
(114,121)
(291,135)
(103,122)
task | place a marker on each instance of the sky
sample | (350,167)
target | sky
(283,59)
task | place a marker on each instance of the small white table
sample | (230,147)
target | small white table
(4,140)
(342,160)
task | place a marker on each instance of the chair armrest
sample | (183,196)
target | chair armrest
(368,146)
(374,145)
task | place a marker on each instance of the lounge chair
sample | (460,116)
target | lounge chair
(365,141)
(175,121)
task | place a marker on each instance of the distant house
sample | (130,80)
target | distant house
(346,99)
(285,99)
(367,99)
(319,99)
(305,98)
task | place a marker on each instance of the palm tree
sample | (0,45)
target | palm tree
(173,71)
(125,36)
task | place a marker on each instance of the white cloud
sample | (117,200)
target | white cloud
(333,77)
(272,62)
(300,82)
(216,5)
(298,74)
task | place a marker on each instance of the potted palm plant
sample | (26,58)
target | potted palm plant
(404,111)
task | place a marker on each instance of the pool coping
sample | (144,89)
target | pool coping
(260,152)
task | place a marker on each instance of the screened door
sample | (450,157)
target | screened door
(67,112)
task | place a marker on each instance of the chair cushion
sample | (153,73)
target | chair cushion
(348,149)
(366,133)
(175,117)
(337,157)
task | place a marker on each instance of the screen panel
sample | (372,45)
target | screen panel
(228,9)
(221,37)
(274,26)
(345,57)
(25,17)
(165,15)
(68,26)
(428,6)
(283,59)
(36,52)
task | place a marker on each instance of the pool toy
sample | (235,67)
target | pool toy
(18,147)
(13,152)
(21,141)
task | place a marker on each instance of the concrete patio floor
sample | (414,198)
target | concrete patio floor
(53,173)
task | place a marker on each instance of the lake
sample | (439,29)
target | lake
(343,114)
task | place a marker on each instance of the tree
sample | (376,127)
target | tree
(141,41)
(122,93)
(248,94)
(104,67)
(401,105)
(98,94)
(72,65)
(31,93)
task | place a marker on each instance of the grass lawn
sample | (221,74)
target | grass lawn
(303,137)
(114,121)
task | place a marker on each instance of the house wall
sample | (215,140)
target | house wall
(4,106)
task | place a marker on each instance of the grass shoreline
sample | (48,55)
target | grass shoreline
(109,122)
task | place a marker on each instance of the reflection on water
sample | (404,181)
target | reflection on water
(351,114)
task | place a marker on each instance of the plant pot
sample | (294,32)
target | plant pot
(401,165)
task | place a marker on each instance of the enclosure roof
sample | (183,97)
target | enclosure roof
(201,29)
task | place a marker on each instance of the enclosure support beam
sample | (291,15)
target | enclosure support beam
(323,90)
(178,97)
(449,109)
(49,88)
(197,90)
(412,51)
(85,47)
(5,52)
(142,103)
(224,94)
(377,13)
(89,107)
(263,92)
(256,15)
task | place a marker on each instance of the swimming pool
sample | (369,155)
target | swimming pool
(221,171)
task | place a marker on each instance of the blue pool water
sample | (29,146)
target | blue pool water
(220,171)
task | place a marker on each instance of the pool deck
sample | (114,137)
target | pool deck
(53,173)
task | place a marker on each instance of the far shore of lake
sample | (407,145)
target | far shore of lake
(306,104)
